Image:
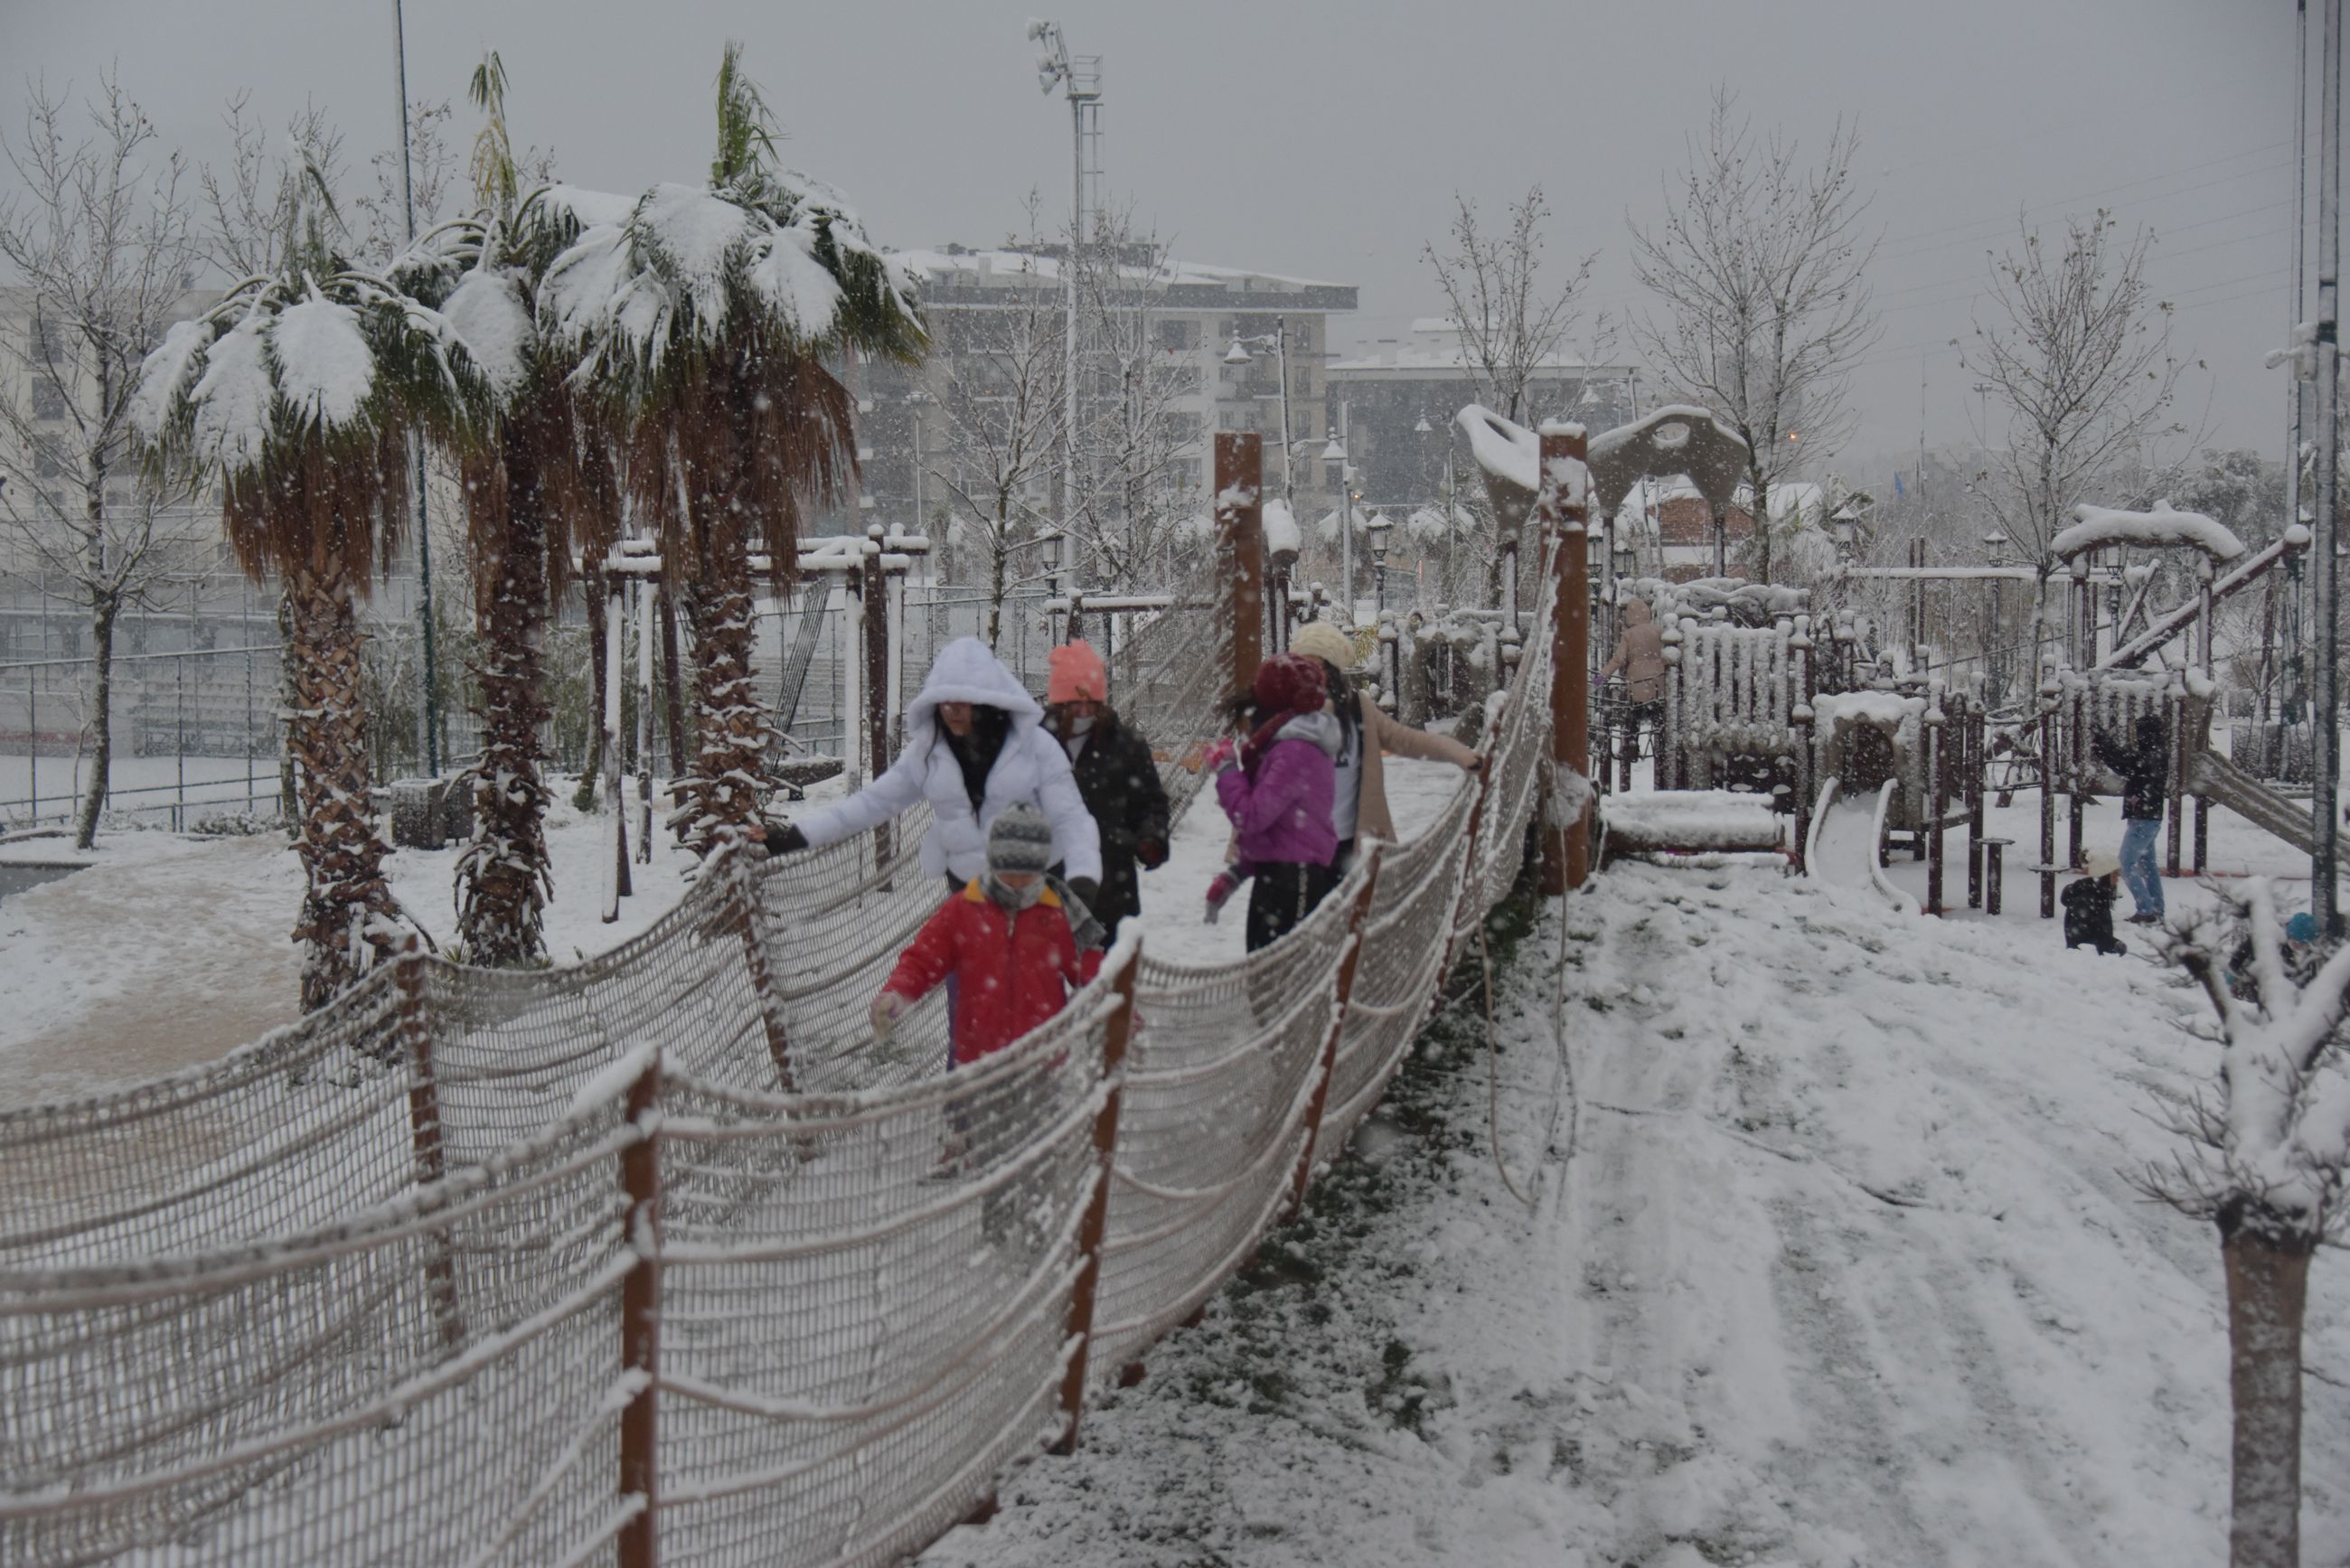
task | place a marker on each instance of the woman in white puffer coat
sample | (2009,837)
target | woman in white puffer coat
(974,745)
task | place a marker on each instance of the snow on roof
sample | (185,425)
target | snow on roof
(2096,527)
(1012,263)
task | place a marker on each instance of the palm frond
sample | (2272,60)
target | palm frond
(747,130)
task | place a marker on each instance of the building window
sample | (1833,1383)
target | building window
(1179,336)
(48,403)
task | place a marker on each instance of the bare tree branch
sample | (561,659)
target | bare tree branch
(1760,269)
(100,245)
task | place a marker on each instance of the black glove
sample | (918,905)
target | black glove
(1152,852)
(783,838)
(1087,890)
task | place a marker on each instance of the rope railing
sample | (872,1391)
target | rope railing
(656,1258)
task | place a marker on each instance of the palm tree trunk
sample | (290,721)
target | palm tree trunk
(502,878)
(719,796)
(2268,1286)
(348,919)
(289,803)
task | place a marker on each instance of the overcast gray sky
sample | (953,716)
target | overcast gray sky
(1326,138)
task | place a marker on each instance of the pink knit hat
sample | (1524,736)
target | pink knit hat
(1076,675)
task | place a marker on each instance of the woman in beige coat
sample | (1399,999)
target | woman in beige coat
(1359,808)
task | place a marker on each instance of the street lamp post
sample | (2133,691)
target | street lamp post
(1379,529)
(430,715)
(1278,341)
(1080,79)
(1335,451)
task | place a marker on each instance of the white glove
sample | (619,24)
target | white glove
(888,1008)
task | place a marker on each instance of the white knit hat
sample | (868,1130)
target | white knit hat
(1320,639)
(2100,863)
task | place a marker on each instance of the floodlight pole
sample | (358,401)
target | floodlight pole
(2324,813)
(432,711)
(1084,93)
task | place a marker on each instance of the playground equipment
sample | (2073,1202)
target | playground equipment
(2106,693)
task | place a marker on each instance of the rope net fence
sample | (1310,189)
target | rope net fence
(659,1258)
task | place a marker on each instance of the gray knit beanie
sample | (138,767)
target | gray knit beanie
(1020,840)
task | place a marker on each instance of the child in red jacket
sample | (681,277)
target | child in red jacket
(1011,945)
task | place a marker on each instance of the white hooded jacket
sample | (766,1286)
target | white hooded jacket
(1032,766)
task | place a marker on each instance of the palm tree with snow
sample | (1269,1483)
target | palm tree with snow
(535,482)
(701,321)
(300,393)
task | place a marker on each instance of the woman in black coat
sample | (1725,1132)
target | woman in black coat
(1115,774)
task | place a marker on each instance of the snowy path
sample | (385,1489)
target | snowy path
(1843,1271)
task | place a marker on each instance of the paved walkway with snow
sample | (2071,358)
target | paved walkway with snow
(1844,1268)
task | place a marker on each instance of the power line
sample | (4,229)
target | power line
(1898,242)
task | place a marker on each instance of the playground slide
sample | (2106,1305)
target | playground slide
(2216,779)
(1846,830)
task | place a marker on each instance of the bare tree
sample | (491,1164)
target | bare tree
(100,241)
(998,377)
(1132,443)
(2077,361)
(2266,1167)
(1509,321)
(254,206)
(1759,268)
(432,176)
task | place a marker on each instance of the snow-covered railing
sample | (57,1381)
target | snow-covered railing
(656,1253)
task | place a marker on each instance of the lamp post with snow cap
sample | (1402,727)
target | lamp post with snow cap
(1278,341)
(1335,451)
(1379,529)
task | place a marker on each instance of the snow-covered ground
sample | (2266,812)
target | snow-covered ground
(171,949)
(1844,1267)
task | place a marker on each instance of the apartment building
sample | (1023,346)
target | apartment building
(1194,313)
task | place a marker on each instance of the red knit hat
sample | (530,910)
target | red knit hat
(1289,683)
(1075,674)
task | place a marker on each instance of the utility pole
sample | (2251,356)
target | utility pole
(1080,80)
(432,709)
(2290,710)
(2325,813)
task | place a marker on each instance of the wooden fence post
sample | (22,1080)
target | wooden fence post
(1801,719)
(415,1025)
(639,1541)
(1240,546)
(1355,921)
(1096,1225)
(2048,798)
(1561,504)
(1938,795)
